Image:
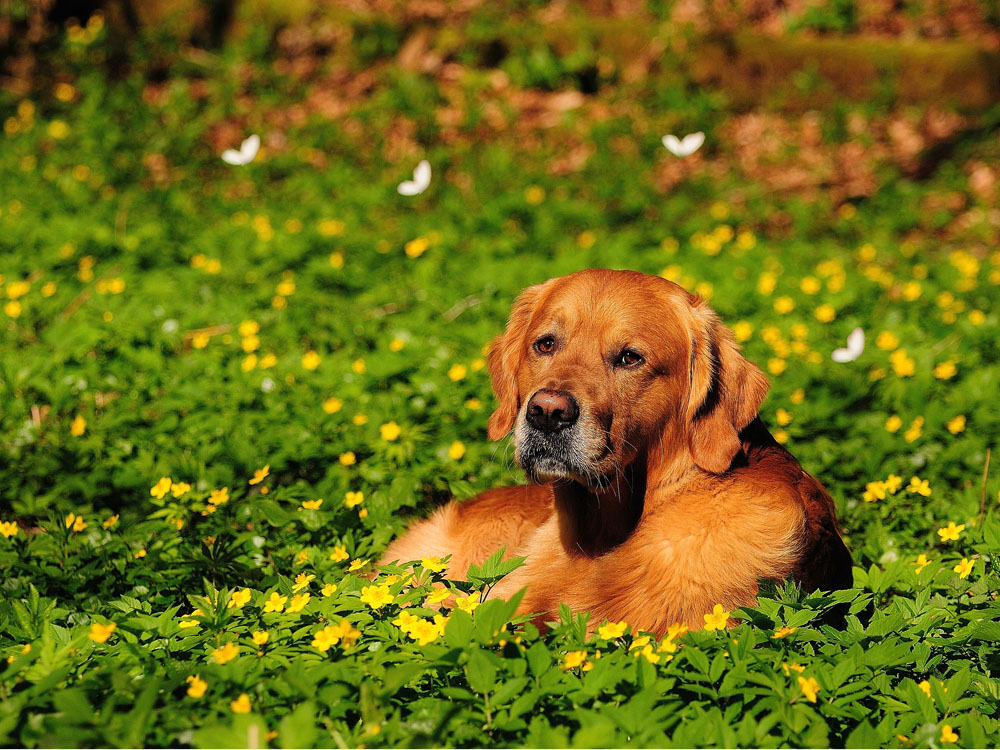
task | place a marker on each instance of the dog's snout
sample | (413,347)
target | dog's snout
(549,411)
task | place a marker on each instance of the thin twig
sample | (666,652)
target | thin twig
(982,499)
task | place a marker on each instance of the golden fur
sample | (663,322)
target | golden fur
(668,495)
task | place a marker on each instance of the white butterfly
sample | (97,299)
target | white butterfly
(246,154)
(683,146)
(855,345)
(420,182)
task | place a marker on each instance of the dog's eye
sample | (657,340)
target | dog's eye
(545,345)
(628,358)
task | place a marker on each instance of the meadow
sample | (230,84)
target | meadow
(225,388)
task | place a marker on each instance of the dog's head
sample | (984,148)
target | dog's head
(597,367)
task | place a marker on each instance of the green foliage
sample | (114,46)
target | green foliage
(165,315)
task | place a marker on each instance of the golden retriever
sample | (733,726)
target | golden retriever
(657,492)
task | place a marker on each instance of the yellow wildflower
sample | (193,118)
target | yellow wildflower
(328,589)
(353,499)
(433,564)
(925,686)
(456,450)
(100,633)
(298,602)
(310,360)
(239,599)
(948,734)
(226,654)
(457,372)
(8,529)
(956,424)
(893,423)
(783,631)
(260,474)
(339,553)
(177,489)
(241,705)
(468,603)
(390,431)
(196,686)
(377,596)
(311,504)
(612,630)
(717,618)
(921,562)
(78,426)
(348,459)
(275,603)
(945,370)
(810,688)
(161,488)
(219,497)
(921,487)
(951,532)
(332,405)
(964,568)
(357,564)
(574,659)
(437,596)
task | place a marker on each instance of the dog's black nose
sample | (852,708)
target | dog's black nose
(549,411)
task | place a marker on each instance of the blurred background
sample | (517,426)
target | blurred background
(167,313)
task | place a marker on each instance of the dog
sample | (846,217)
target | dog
(656,490)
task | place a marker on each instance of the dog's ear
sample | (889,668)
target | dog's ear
(726,391)
(504,360)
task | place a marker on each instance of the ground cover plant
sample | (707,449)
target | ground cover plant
(223,389)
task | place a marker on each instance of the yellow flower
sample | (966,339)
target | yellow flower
(179,488)
(433,564)
(456,450)
(260,474)
(376,597)
(219,497)
(226,653)
(921,562)
(533,194)
(161,488)
(425,631)
(437,596)
(241,705)
(964,568)
(353,499)
(825,313)
(783,631)
(339,553)
(810,687)
(893,423)
(328,589)
(914,430)
(348,459)
(275,603)
(717,618)
(951,532)
(396,344)
(249,345)
(948,734)
(776,365)
(75,522)
(457,372)
(78,426)
(810,285)
(8,529)
(784,305)
(331,227)
(742,331)
(574,659)
(473,404)
(332,405)
(188,624)
(299,602)
(887,341)
(13,309)
(239,599)
(783,417)
(902,365)
(416,247)
(336,260)
(100,633)
(612,630)
(945,370)
(310,360)
(196,686)
(921,487)
(333,634)
(874,491)
(312,504)
(358,366)
(893,483)
(925,686)
(390,431)
(249,362)
(468,603)
(249,328)
(956,425)
(140,554)
(357,564)
(405,621)
(647,652)
(787,668)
